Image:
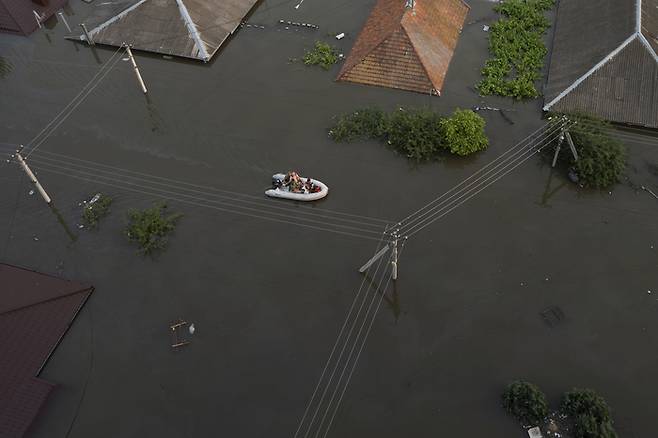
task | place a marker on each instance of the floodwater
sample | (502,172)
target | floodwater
(268,298)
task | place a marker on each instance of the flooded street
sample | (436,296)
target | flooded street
(267,295)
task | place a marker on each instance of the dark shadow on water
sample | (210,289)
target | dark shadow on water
(72,236)
(392,301)
(549,191)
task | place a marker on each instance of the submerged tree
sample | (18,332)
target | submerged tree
(526,402)
(601,158)
(151,227)
(590,414)
(322,54)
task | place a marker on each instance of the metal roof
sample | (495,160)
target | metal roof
(187,28)
(604,61)
(406,47)
(36,310)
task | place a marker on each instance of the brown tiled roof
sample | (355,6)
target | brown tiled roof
(406,48)
(35,312)
(17,16)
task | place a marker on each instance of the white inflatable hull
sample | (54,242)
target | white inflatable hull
(278,193)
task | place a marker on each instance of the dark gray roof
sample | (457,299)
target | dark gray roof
(188,28)
(650,22)
(602,61)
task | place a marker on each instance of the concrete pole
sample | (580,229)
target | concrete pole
(139,76)
(33,178)
(90,41)
(66,23)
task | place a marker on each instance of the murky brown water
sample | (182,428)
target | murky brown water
(268,298)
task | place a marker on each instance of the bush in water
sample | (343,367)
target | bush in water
(601,158)
(590,414)
(150,228)
(322,54)
(419,134)
(526,402)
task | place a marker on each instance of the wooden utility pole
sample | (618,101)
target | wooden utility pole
(33,178)
(139,76)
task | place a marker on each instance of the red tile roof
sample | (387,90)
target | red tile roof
(406,48)
(36,310)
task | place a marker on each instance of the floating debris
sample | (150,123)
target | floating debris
(485,28)
(35,238)
(192,329)
(340,36)
(31,192)
(296,24)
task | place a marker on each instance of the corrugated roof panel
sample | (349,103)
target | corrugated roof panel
(585,33)
(650,22)
(636,71)
(163,26)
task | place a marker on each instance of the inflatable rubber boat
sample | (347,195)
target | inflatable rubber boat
(286,193)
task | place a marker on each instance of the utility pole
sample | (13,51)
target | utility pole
(132,60)
(391,245)
(564,134)
(33,178)
(66,23)
(90,41)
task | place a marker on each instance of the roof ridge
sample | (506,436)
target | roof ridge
(343,71)
(594,69)
(114,18)
(194,32)
(420,59)
(84,289)
(647,45)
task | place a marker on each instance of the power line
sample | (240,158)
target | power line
(333,350)
(84,89)
(490,169)
(251,199)
(205,203)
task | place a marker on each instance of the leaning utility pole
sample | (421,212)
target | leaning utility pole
(132,60)
(392,245)
(33,178)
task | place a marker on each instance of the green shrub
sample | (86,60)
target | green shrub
(322,54)
(590,414)
(415,133)
(95,210)
(150,228)
(518,52)
(601,158)
(365,123)
(463,132)
(419,134)
(526,402)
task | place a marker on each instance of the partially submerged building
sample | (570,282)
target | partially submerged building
(36,310)
(406,44)
(187,28)
(604,61)
(22,17)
